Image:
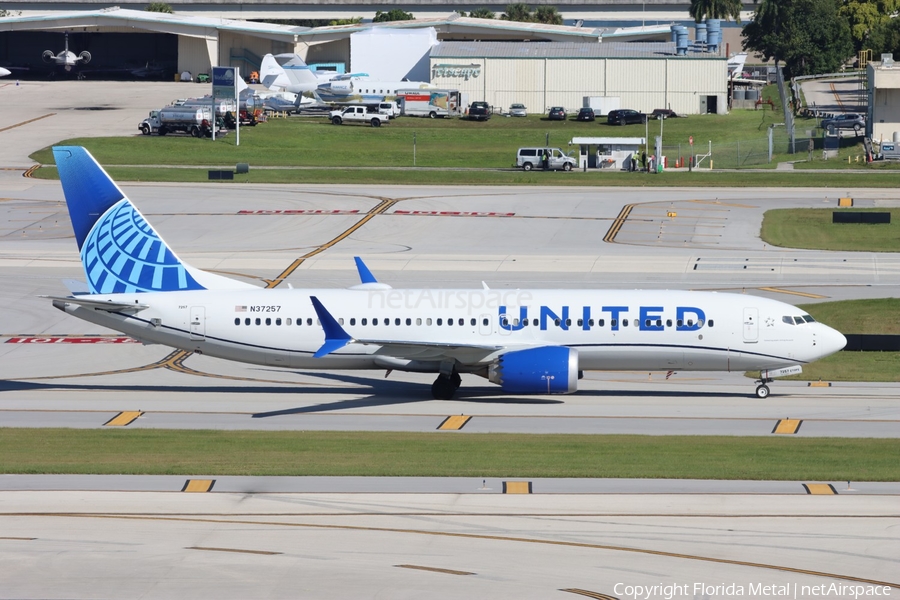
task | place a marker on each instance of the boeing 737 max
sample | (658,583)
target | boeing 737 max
(527,341)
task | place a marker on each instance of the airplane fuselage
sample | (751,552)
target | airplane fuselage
(611,330)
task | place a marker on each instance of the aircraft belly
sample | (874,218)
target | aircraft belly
(614,358)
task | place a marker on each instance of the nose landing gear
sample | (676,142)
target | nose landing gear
(762,390)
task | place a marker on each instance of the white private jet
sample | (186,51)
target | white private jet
(288,72)
(4,72)
(527,341)
(66,59)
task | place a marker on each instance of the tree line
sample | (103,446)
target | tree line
(811,37)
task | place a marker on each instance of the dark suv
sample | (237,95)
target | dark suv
(585,114)
(845,121)
(479,111)
(625,116)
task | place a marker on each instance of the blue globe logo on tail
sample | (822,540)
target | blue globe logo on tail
(122,254)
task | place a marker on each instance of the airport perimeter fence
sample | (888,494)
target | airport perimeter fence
(742,154)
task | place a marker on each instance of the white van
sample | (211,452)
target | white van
(532,158)
(389,108)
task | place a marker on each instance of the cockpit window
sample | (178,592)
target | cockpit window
(787,320)
(798,320)
(808,319)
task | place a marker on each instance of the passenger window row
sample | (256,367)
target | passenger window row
(278,321)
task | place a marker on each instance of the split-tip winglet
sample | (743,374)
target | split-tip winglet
(335,336)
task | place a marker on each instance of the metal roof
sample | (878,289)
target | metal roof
(123,16)
(562,50)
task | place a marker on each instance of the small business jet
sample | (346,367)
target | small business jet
(527,341)
(4,72)
(66,59)
(288,72)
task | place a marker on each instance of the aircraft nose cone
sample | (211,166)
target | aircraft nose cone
(833,341)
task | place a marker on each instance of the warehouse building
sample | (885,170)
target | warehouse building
(643,76)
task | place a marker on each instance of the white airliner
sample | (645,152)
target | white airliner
(288,72)
(66,59)
(527,341)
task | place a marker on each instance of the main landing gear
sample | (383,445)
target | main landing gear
(445,386)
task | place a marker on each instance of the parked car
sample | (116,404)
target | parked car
(585,114)
(852,121)
(518,110)
(479,111)
(557,113)
(532,158)
(625,116)
(663,113)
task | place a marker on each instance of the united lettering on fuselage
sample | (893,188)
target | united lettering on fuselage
(649,318)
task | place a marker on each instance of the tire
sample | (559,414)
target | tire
(336,120)
(857,128)
(195,131)
(376,122)
(163,131)
(145,129)
(432,115)
(567,167)
(527,166)
(762,391)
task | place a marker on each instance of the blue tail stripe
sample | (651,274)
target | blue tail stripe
(89,191)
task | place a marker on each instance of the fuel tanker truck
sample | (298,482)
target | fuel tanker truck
(179,119)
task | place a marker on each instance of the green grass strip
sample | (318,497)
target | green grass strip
(177,452)
(413,176)
(812,228)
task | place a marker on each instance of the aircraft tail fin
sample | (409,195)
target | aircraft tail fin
(120,250)
(272,75)
(298,72)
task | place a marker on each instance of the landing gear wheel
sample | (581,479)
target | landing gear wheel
(442,388)
(762,391)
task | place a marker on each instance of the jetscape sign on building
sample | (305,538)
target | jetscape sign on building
(463,71)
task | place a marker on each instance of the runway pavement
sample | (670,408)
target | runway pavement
(100,537)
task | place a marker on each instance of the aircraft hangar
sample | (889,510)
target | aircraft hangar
(132,42)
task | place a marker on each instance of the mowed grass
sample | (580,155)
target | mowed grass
(812,228)
(438,142)
(158,452)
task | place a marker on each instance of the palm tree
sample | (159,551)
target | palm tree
(548,15)
(716,9)
(483,13)
(518,12)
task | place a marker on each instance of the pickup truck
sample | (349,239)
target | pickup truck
(357,114)
(479,111)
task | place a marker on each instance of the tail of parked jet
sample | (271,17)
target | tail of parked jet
(120,250)
(287,72)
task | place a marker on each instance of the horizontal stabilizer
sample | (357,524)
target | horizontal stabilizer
(98,304)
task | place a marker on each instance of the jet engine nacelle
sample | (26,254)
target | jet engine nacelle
(545,370)
(342,85)
(85,57)
(48,56)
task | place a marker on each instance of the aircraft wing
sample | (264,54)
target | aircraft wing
(419,350)
(98,304)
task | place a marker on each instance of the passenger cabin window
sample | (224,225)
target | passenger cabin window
(365,321)
(440,322)
(288,321)
(710,323)
(624,322)
(278,321)
(237,321)
(268,321)
(668,322)
(428,321)
(472,322)
(247,321)
(484,322)
(309,321)
(353,320)
(258,321)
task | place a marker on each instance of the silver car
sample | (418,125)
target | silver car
(518,110)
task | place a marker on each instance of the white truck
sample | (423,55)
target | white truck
(432,103)
(172,119)
(357,114)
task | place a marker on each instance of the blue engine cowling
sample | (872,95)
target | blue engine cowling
(550,369)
